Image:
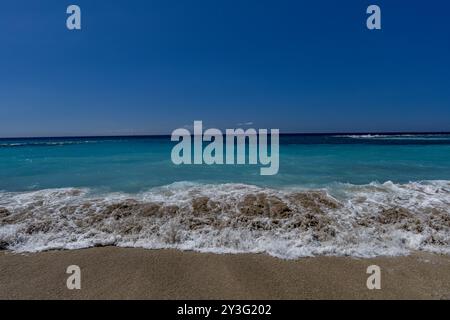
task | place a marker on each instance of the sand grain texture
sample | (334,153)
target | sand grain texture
(129,273)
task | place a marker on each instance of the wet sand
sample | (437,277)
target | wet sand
(129,273)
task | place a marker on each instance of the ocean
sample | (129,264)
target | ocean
(351,195)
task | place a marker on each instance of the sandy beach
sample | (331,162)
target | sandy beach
(129,273)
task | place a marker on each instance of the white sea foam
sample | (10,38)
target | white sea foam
(362,221)
(44,143)
(427,137)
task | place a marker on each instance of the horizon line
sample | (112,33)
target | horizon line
(281,134)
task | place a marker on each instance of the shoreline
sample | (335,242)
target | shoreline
(133,273)
(344,219)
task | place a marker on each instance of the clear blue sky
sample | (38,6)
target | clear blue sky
(148,67)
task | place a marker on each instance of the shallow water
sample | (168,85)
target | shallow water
(137,164)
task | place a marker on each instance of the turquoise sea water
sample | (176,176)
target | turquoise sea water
(135,164)
(359,195)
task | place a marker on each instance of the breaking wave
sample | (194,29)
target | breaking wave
(426,137)
(343,219)
(42,143)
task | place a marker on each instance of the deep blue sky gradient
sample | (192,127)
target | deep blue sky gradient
(148,67)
